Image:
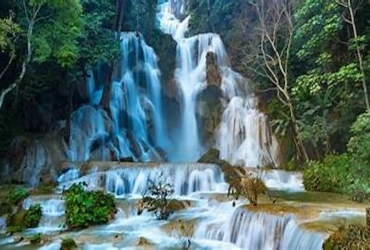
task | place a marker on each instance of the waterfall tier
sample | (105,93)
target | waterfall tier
(261,231)
(133,127)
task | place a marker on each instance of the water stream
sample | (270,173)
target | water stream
(135,128)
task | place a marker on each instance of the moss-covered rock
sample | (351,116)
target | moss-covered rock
(22,218)
(68,244)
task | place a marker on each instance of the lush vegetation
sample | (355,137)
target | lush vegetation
(349,237)
(86,208)
(347,172)
(22,219)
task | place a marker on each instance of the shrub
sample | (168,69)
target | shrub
(36,238)
(85,208)
(33,216)
(16,197)
(331,175)
(158,200)
(353,237)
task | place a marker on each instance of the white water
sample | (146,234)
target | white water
(135,126)
(244,136)
(186,179)
(251,231)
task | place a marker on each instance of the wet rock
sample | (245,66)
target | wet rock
(209,112)
(211,156)
(32,158)
(212,70)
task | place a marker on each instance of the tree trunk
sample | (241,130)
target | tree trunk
(107,90)
(302,152)
(24,63)
(358,52)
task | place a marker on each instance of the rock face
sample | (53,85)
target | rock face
(213,73)
(33,159)
(209,101)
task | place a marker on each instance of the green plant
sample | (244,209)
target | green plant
(33,216)
(352,237)
(157,201)
(35,239)
(19,194)
(68,244)
(330,175)
(85,208)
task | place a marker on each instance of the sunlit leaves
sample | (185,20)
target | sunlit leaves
(8,31)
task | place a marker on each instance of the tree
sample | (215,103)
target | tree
(275,32)
(51,30)
(357,40)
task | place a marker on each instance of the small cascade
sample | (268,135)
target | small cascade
(133,127)
(283,180)
(53,211)
(244,137)
(50,207)
(261,231)
(185,178)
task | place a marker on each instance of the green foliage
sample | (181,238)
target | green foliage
(157,201)
(330,175)
(359,144)
(35,238)
(18,195)
(353,237)
(68,244)
(33,216)
(86,208)
(8,31)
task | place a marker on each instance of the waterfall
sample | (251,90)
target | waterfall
(134,180)
(133,127)
(243,136)
(260,231)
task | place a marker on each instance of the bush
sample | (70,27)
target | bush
(22,219)
(19,194)
(33,216)
(331,175)
(85,208)
(158,200)
(353,237)
(36,238)
(248,186)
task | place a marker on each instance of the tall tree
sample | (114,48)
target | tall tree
(51,30)
(275,32)
(349,17)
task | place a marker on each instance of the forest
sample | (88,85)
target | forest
(308,62)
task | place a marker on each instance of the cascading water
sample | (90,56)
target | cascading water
(250,231)
(243,137)
(135,125)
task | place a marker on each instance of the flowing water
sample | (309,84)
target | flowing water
(134,127)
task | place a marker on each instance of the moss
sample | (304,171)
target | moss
(68,244)
(22,219)
(17,220)
(5,208)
